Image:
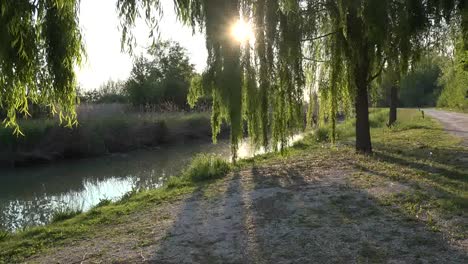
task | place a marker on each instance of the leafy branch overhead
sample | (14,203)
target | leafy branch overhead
(41,45)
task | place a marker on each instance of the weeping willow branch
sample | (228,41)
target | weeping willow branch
(315,60)
(381,68)
(320,37)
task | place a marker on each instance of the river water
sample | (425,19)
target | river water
(29,196)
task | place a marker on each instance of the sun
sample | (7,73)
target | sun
(242,31)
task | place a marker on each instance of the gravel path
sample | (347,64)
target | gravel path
(455,123)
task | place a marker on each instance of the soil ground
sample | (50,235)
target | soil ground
(306,210)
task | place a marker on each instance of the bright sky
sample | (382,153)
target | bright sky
(99,23)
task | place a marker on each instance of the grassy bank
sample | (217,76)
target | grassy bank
(101,130)
(68,226)
(418,171)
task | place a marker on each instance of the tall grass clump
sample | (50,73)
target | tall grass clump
(322,134)
(204,167)
(63,214)
(4,234)
(103,202)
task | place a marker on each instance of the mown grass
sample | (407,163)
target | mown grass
(416,152)
(69,225)
(429,162)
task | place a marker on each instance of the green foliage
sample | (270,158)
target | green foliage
(164,78)
(63,214)
(455,80)
(40,48)
(417,88)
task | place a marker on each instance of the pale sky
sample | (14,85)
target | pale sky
(99,23)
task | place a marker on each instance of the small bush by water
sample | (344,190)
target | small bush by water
(203,167)
(207,167)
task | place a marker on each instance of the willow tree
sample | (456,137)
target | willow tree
(348,42)
(39,49)
(369,36)
(259,81)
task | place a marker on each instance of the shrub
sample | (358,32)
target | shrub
(322,134)
(206,167)
(63,214)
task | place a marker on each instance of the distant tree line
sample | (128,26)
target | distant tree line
(109,92)
(419,87)
(433,81)
(160,79)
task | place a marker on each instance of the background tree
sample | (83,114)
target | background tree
(163,77)
(455,79)
(419,87)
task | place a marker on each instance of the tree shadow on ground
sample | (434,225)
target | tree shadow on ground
(443,166)
(296,214)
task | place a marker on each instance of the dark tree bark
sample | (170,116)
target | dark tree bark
(393,105)
(363,138)
(358,55)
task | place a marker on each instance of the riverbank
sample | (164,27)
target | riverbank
(102,129)
(317,203)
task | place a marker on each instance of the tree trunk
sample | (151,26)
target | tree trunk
(363,139)
(393,105)
(358,55)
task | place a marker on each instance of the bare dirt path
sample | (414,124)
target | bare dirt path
(297,211)
(455,123)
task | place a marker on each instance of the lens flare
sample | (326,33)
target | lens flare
(242,31)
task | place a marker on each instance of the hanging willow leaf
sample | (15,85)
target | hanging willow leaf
(41,45)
